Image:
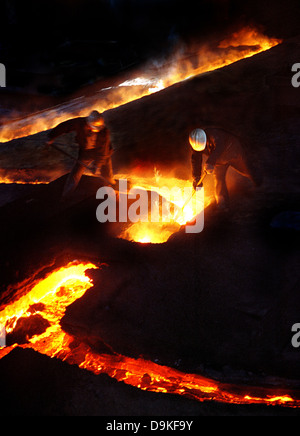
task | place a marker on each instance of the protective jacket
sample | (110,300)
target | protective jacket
(94,150)
(223,150)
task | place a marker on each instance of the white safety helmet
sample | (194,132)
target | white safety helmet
(95,121)
(198,140)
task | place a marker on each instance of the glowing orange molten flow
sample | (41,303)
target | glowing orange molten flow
(183,64)
(50,297)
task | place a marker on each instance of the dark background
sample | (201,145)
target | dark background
(75,42)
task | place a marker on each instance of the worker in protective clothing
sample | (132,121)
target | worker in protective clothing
(224,150)
(95,150)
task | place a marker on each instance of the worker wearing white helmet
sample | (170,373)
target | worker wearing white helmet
(95,121)
(95,150)
(198,140)
(223,150)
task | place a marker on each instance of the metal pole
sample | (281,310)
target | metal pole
(194,192)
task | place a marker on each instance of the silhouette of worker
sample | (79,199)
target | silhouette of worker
(224,150)
(95,150)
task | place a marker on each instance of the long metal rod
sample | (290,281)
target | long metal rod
(194,191)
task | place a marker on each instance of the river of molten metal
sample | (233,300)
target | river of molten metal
(50,297)
(185,63)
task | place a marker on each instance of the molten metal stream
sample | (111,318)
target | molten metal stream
(170,221)
(182,65)
(49,298)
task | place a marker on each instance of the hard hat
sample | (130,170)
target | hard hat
(95,121)
(198,140)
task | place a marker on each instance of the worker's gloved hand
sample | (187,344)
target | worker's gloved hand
(94,169)
(210,169)
(196,185)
